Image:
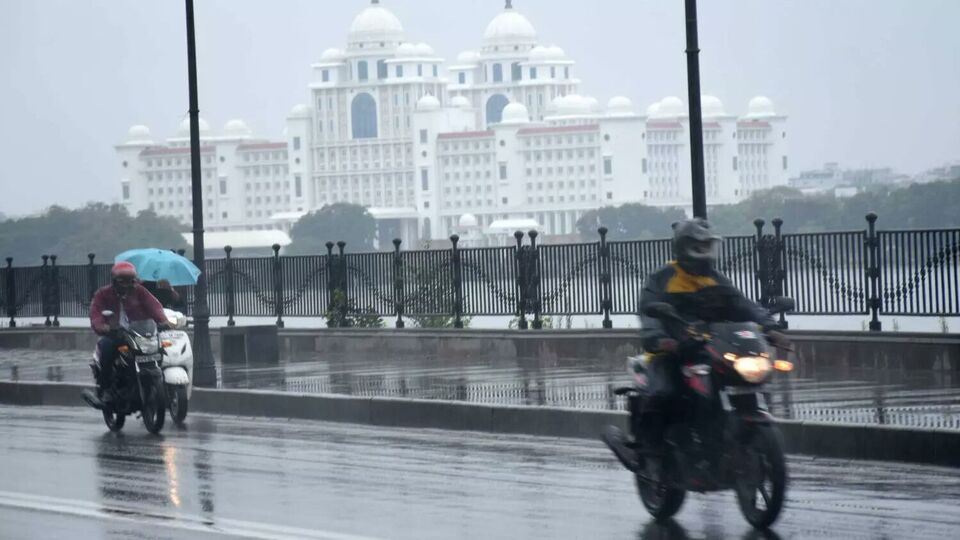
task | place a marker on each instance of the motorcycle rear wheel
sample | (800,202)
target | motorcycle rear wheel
(114,420)
(763,472)
(660,499)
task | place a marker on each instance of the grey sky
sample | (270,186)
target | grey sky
(865,82)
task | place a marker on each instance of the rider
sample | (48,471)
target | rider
(129,301)
(695,249)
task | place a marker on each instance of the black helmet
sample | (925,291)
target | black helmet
(695,246)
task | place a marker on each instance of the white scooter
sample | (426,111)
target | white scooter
(177,365)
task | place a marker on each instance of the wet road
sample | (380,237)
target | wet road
(63,475)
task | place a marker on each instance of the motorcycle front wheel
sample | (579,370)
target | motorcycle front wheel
(661,499)
(114,420)
(154,408)
(762,477)
(178,403)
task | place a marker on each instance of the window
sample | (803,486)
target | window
(608,165)
(734,162)
(223,187)
(504,201)
(424,180)
(784,162)
(297,186)
(434,74)
(553,72)
(362,70)
(516,72)
(399,72)
(503,171)
(419,70)
(381,69)
(364,116)
(224,215)
(126,190)
(495,106)
(609,195)
(462,78)
(533,73)
(498,73)
(325,75)
(643,165)
(296,143)
(566,72)
(423,136)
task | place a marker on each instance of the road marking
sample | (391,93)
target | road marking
(188,522)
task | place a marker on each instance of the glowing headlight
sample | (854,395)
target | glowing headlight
(147,345)
(752,368)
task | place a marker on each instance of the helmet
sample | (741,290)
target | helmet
(123,275)
(695,246)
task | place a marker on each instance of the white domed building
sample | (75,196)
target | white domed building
(503,137)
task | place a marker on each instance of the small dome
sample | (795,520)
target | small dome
(461,102)
(467,221)
(515,113)
(593,104)
(184,129)
(468,57)
(509,28)
(654,109)
(236,128)
(300,111)
(711,106)
(760,107)
(539,53)
(423,49)
(574,105)
(138,134)
(546,54)
(619,106)
(556,53)
(670,107)
(428,103)
(375,23)
(331,55)
(407,50)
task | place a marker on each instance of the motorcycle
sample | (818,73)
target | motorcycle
(720,435)
(177,365)
(137,384)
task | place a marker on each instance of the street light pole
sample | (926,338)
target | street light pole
(204,372)
(699,190)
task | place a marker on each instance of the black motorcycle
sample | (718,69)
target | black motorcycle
(138,384)
(720,435)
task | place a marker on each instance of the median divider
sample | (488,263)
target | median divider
(847,441)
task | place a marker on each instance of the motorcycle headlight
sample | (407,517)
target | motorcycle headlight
(754,369)
(147,345)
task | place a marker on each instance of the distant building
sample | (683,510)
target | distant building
(948,172)
(832,179)
(506,139)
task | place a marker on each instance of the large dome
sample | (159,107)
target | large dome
(515,113)
(375,23)
(760,107)
(509,28)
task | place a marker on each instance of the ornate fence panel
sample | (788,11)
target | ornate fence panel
(253,282)
(306,286)
(826,273)
(428,282)
(738,261)
(76,286)
(630,264)
(370,281)
(489,280)
(920,272)
(569,279)
(218,283)
(28,291)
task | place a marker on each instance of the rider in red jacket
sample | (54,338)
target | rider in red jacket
(129,301)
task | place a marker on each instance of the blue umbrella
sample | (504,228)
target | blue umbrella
(155,264)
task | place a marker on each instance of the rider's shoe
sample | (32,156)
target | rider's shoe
(621,447)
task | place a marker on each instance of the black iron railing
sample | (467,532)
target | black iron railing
(866,272)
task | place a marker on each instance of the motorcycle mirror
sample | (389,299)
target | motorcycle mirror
(660,310)
(782,304)
(107,313)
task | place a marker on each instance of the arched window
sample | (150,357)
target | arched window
(381,69)
(362,70)
(495,106)
(516,72)
(498,73)
(363,114)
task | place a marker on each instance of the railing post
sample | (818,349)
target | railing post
(873,272)
(779,266)
(521,283)
(277,285)
(11,294)
(398,282)
(231,299)
(761,270)
(606,303)
(55,290)
(533,289)
(342,264)
(331,277)
(91,277)
(457,283)
(45,290)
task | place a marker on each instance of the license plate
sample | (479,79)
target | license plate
(149,358)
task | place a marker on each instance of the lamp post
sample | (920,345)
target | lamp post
(699,190)
(204,372)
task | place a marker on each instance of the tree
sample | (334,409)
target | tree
(98,228)
(341,221)
(630,221)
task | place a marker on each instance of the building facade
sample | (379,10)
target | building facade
(501,136)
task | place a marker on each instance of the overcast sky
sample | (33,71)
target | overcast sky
(864,82)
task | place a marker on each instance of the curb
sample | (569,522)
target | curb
(835,440)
